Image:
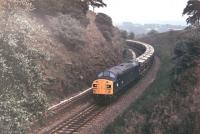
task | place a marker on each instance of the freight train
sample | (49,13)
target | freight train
(111,82)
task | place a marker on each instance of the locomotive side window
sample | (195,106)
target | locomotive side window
(112,75)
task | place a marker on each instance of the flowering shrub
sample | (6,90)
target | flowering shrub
(21,95)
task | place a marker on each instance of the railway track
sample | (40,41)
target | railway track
(77,120)
(74,123)
(71,101)
(141,51)
(62,111)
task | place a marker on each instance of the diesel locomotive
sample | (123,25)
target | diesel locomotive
(111,82)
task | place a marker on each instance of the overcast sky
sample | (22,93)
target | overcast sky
(145,11)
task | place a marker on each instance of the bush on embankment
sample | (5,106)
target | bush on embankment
(21,95)
(169,105)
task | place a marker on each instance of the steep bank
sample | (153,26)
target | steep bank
(170,104)
(49,50)
(78,56)
(83,44)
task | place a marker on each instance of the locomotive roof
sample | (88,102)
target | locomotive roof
(119,69)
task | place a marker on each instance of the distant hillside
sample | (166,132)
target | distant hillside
(143,29)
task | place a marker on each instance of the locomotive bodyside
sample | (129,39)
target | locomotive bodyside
(110,82)
(120,76)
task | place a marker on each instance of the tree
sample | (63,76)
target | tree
(152,32)
(131,35)
(124,34)
(95,3)
(193,11)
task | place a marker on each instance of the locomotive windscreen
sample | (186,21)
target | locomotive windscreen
(107,74)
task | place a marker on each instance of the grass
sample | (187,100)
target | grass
(160,87)
(157,89)
(165,106)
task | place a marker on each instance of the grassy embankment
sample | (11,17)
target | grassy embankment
(136,117)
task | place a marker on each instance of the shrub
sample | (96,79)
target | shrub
(69,31)
(186,52)
(21,95)
(104,24)
(152,33)
(131,36)
(76,8)
(124,34)
(168,105)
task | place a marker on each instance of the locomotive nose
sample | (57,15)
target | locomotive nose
(102,87)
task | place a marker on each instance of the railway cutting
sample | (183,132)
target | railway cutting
(71,115)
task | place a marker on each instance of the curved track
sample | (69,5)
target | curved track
(147,49)
(98,125)
(81,118)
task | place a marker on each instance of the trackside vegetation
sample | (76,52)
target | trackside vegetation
(21,95)
(167,106)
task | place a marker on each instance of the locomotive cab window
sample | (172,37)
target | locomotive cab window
(107,74)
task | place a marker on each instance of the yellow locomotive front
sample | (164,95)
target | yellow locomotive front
(103,87)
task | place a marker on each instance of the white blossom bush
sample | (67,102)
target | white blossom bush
(21,77)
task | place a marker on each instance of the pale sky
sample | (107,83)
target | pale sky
(144,11)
